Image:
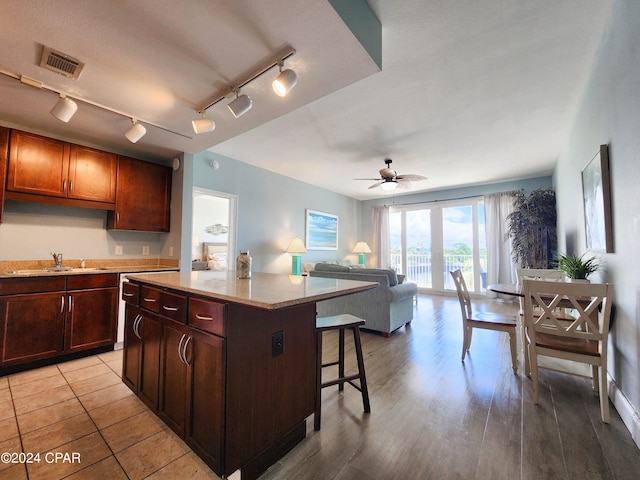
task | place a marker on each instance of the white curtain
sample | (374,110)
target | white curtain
(380,217)
(500,265)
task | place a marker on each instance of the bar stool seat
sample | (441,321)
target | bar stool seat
(340,323)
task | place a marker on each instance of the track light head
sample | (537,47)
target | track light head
(136,132)
(64,109)
(203,124)
(241,105)
(285,82)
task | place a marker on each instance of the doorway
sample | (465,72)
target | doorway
(213,228)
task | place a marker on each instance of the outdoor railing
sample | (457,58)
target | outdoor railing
(420,269)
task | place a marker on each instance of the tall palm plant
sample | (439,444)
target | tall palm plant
(532,228)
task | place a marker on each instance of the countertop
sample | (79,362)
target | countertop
(41,268)
(263,290)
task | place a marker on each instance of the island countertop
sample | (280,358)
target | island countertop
(263,290)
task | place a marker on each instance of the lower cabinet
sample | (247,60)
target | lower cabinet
(192,388)
(33,327)
(141,355)
(90,315)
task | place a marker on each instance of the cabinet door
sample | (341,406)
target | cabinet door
(205,354)
(37,165)
(4,152)
(151,332)
(143,197)
(132,351)
(91,318)
(92,175)
(32,326)
(173,371)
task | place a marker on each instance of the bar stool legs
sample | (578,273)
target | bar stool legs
(340,323)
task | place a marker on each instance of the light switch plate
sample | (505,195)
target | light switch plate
(145,250)
(118,249)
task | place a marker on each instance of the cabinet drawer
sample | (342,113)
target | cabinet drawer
(130,292)
(173,306)
(207,316)
(150,298)
(98,280)
(15,285)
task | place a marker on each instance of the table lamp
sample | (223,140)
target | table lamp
(296,247)
(361,248)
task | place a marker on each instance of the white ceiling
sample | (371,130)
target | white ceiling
(470,92)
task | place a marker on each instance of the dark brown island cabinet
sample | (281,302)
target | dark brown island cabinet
(234,378)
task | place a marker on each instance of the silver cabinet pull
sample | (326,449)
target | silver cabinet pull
(170,309)
(70,185)
(184,351)
(64,185)
(61,303)
(136,326)
(126,294)
(180,348)
(152,300)
(70,306)
(202,317)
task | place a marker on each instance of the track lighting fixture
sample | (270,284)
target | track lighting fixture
(241,105)
(136,132)
(203,124)
(64,109)
(284,82)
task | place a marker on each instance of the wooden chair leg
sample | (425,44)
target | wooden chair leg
(341,358)
(514,351)
(363,377)
(604,395)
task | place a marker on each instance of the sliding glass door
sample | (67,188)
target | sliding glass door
(428,241)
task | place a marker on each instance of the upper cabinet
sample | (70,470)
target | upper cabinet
(143,197)
(4,152)
(58,170)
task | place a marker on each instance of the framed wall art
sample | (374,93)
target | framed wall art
(596,194)
(321,231)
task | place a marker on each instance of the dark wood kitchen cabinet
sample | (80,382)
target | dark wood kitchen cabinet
(4,153)
(143,197)
(47,170)
(53,318)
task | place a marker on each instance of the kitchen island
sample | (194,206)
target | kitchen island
(228,364)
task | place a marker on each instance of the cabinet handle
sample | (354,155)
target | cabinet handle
(152,300)
(70,185)
(126,294)
(201,317)
(61,303)
(184,352)
(64,185)
(180,347)
(70,305)
(117,217)
(170,309)
(136,326)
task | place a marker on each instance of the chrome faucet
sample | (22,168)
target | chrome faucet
(57,257)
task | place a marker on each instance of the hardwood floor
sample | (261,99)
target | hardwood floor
(434,417)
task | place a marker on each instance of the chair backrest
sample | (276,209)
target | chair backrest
(463,294)
(590,304)
(539,274)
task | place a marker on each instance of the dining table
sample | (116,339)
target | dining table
(512,289)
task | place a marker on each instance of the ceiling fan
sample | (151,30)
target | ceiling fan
(390,180)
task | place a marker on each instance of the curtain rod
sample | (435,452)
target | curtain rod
(448,200)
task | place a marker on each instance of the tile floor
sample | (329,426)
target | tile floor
(82,408)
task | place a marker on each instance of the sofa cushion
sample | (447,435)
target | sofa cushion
(393,278)
(402,291)
(331,267)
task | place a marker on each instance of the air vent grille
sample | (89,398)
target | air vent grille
(61,63)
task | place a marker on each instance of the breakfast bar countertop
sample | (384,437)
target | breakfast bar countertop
(263,290)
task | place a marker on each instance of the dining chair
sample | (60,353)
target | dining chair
(548,274)
(484,320)
(582,340)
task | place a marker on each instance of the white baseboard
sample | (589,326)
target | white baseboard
(626,411)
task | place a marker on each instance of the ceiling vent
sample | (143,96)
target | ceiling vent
(61,63)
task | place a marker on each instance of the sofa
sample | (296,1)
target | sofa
(385,308)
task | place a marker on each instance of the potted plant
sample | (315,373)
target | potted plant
(577,268)
(532,228)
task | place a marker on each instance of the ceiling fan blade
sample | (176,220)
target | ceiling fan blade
(376,184)
(404,185)
(369,179)
(411,178)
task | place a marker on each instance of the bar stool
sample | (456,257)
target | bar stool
(340,323)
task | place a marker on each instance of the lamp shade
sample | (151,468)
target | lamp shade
(389,185)
(136,132)
(285,82)
(361,247)
(203,125)
(296,246)
(64,109)
(240,105)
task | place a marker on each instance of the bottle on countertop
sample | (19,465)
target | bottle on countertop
(243,265)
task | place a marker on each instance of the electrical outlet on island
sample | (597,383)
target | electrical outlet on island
(118,249)
(145,250)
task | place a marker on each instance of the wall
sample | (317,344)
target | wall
(609,113)
(271,211)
